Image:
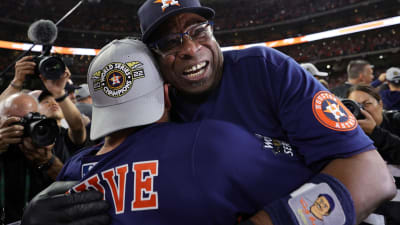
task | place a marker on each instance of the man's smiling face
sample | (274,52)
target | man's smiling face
(197,66)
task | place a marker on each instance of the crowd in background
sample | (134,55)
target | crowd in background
(365,42)
(98,17)
(357,43)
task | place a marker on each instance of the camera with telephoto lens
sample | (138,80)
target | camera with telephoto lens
(51,67)
(354,108)
(41,129)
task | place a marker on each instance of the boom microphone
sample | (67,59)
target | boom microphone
(42,32)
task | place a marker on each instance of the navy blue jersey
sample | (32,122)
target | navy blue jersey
(207,172)
(268,93)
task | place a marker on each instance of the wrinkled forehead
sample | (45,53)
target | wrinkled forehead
(177,24)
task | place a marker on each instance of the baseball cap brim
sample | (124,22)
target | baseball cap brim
(151,109)
(200,10)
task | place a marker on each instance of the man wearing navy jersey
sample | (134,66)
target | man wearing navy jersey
(262,90)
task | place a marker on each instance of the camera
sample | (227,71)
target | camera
(42,130)
(354,108)
(51,67)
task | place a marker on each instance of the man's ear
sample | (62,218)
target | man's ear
(167,100)
(380,103)
(360,77)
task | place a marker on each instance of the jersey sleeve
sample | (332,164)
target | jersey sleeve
(249,170)
(314,120)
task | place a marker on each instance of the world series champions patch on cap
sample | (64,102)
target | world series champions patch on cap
(116,79)
(331,112)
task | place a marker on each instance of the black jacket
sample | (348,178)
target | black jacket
(386,137)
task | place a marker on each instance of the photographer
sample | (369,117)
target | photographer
(383,127)
(25,167)
(54,103)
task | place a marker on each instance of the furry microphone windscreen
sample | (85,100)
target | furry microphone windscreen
(42,32)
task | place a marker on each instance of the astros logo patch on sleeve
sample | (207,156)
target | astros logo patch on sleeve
(331,112)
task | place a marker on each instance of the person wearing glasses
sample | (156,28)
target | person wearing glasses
(270,95)
(383,127)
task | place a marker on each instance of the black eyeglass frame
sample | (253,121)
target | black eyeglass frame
(155,45)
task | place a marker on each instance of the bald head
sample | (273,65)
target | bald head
(19,105)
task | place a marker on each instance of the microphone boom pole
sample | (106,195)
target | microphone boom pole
(33,45)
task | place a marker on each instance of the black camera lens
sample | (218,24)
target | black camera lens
(51,67)
(354,108)
(44,132)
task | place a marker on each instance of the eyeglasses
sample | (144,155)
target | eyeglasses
(171,44)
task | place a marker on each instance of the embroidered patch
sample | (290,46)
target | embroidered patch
(276,146)
(86,168)
(331,112)
(317,204)
(167,3)
(116,79)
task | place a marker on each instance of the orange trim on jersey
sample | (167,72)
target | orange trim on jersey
(80,187)
(117,191)
(94,181)
(145,184)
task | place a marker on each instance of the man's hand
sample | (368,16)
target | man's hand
(56,87)
(52,207)
(260,218)
(23,67)
(38,155)
(368,124)
(10,134)
(382,77)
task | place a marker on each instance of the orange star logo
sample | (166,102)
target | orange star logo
(167,3)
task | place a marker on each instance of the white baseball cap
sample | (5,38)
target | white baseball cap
(126,88)
(393,75)
(313,70)
(82,92)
